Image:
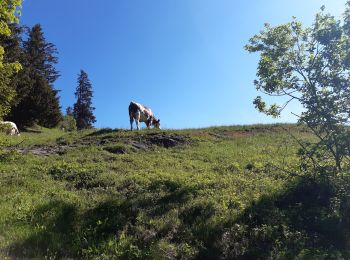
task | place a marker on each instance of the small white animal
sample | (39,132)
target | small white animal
(11,128)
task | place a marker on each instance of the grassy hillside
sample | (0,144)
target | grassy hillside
(220,192)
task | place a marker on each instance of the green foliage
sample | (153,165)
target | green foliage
(14,53)
(6,155)
(305,221)
(68,123)
(8,14)
(37,100)
(310,66)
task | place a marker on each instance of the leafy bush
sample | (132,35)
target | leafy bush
(68,124)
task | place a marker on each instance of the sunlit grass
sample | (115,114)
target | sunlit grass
(89,202)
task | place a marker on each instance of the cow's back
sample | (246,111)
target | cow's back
(135,107)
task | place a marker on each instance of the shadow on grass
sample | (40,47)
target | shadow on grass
(174,194)
(60,230)
(53,229)
(309,220)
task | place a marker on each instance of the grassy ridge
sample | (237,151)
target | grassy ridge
(220,192)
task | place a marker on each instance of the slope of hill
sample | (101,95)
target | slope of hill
(221,192)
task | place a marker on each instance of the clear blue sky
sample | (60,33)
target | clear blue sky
(183,58)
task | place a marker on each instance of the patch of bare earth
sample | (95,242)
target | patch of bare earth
(113,143)
(163,140)
(41,150)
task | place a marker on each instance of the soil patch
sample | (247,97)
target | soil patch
(42,150)
(112,143)
(168,141)
(147,142)
(116,149)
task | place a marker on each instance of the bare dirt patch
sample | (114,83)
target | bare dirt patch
(147,142)
(117,149)
(167,140)
(115,142)
(41,150)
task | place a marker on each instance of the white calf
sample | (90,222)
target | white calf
(11,128)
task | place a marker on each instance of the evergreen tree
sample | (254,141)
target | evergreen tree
(13,44)
(8,15)
(14,52)
(83,110)
(69,111)
(38,101)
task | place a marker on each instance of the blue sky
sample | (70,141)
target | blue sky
(183,58)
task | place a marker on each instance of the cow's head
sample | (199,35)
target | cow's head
(156,123)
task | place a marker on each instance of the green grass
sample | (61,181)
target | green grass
(225,192)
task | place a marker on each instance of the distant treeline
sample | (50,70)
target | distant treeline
(37,100)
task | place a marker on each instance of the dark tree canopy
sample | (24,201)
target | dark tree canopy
(312,66)
(83,110)
(69,111)
(13,44)
(38,100)
(41,55)
(14,51)
(8,14)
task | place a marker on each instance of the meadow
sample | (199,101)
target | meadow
(233,192)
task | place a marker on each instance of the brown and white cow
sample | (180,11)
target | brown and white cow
(142,113)
(11,128)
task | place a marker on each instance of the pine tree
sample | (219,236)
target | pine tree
(8,15)
(69,111)
(14,52)
(83,110)
(38,101)
(13,44)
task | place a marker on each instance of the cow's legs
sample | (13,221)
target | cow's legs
(137,119)
(131,122)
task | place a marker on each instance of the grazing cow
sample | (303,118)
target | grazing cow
(142,113)
(11,128)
